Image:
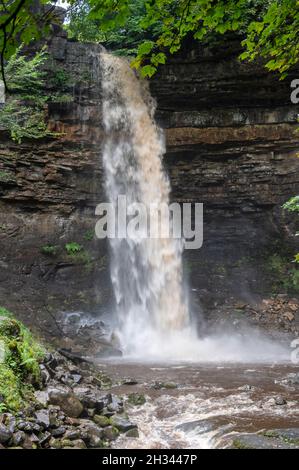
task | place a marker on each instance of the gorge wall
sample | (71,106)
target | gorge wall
(230,144)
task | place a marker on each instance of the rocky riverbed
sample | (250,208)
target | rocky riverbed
(73,409)
(117,403)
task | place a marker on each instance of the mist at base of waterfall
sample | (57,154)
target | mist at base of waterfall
(247,346)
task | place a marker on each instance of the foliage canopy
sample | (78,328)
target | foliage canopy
(153,29)
(157,28)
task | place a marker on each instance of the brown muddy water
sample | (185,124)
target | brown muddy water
(210,404)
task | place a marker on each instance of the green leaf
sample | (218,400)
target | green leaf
(159,58)
(145,48)
(148,71)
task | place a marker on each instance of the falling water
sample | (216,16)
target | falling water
(146,272)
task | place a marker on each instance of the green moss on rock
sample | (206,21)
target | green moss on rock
(20,355)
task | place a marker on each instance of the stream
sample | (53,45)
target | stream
(210,405)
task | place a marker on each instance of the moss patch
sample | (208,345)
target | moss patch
(283,273)
(20,355)
(237,444)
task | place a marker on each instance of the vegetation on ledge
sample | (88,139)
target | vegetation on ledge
(20,355)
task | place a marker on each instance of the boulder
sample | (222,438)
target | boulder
(110,433)
(5,434)
(101,420)
(89,397)
(43,418)
(66,400)
(121,423)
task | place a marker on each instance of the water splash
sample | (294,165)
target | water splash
(146,273)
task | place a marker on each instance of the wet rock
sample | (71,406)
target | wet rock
(44,438)
(279,400)
(136,399)
(95,442)
(58,432)
(114,404)
(107,413)
(167,385)
(10,422)
(55,443)
(66,400)
(290,435)
(101,420)
(91,412)
(43,418)
(115,408)
(5,434)
(53,416)
(77,378)
(28,427)
(18,438)
(76,358)
(72,421)
(30,441)
(72,434)
(110,433)
(53,360)
(122,424)
(79,444)
(33,438)
(45,375)
(132,433)
(41,397)
(89,397)
(90,430)
(253,441)
(130,381)
(68,444)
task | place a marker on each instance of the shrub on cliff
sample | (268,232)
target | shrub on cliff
(292,205)
(24,114)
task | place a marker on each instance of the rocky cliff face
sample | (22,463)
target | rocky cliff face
(230,144)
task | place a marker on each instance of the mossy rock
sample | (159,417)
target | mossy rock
(111,433)
(9,327)
(132,433)
(136,399)
(101,420)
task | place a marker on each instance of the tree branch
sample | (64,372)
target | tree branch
(13,15)
(2,61)
(11,18)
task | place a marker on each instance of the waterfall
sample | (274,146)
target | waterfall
(146,273)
